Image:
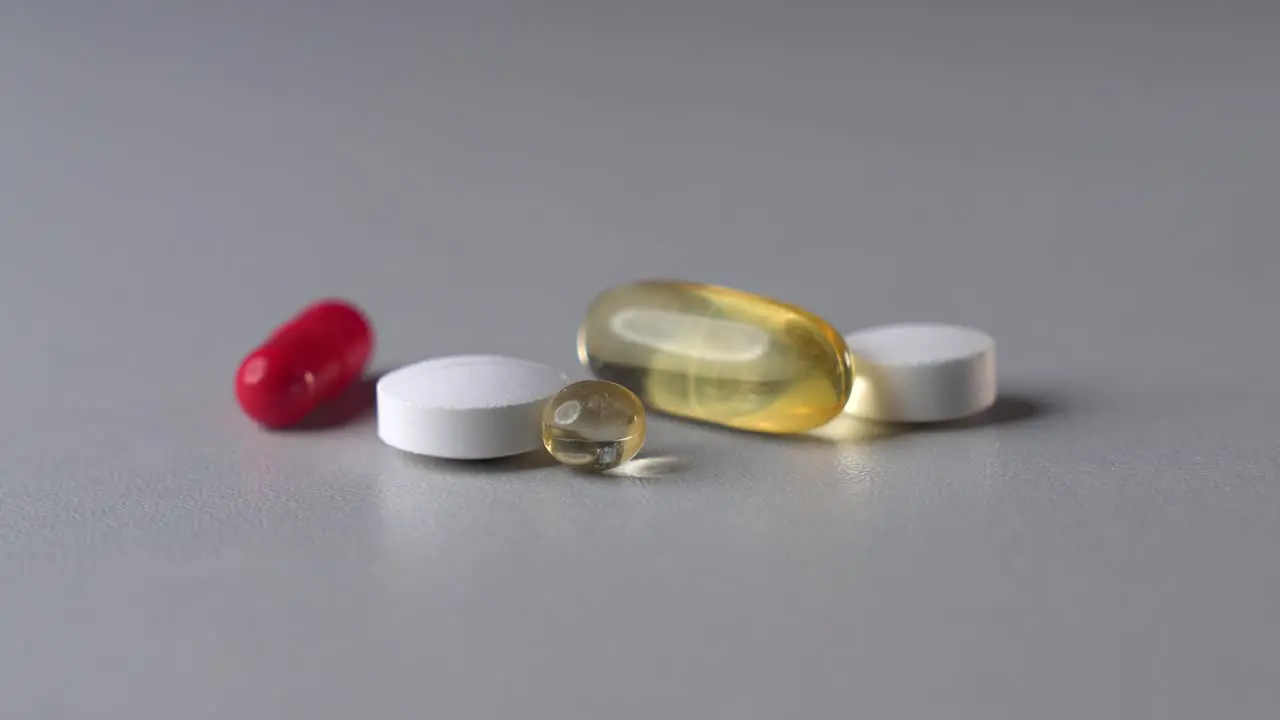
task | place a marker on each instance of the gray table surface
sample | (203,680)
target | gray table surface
(1098,187)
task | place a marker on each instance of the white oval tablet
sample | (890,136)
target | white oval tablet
(466,407)
(921,372)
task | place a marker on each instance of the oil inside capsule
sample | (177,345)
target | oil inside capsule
(718,355)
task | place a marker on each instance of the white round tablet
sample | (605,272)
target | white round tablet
(921,372)
(466,407)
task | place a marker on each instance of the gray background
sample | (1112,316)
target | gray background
(1095,184)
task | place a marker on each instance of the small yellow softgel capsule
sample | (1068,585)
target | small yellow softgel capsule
(718,355)
(594,425)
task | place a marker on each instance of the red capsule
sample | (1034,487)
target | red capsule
(307,361)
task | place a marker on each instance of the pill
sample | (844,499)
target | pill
(921,372)
(307,361)
(718,355)
(466,407)
(594,425)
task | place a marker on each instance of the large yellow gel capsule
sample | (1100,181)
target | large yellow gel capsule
(718,355)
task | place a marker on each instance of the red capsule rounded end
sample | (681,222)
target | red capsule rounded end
(272,390)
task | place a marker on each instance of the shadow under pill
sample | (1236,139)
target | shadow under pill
(1010,408)
(847,428)
(650,467)
(533,460)
(355,404)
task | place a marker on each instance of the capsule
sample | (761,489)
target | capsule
(306,362)
(593,425)
(718,355)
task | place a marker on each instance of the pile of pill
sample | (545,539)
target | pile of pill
(703,352)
